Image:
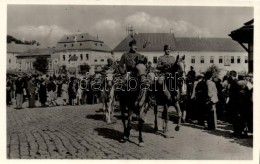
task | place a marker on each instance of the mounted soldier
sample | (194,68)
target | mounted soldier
(132,67)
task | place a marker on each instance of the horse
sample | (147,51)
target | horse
(107,95)
(132,98)
(157,97)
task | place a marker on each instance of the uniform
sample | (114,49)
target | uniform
(128,59)
(163,61)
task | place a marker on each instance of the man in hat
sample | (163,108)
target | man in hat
(212,97)
(163,65)
(127,62)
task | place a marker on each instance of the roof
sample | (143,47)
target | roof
(37,52)
(244,34)
(17,48)
(208,44)
(81,42)
(156,41)
(79,38)
(148,42)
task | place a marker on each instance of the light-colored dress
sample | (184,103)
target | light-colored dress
(64,89)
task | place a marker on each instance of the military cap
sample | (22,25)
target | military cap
(166,47)
(133,42)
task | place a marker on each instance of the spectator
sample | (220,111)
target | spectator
(31,92)
(9,89)
(201,92)
(51,87)
(70,90)
(19,86)
(43,92)
(211,102)
(64,89)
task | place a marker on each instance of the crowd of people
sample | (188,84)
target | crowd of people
(211,99)
(208,97)
(46,90)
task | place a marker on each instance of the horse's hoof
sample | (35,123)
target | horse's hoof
(122,140)
(177,128)
(166,135)
(141,144)
(126,138)
(155,129)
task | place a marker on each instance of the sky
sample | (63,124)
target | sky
(48,23)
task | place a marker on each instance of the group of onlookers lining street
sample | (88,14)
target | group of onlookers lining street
(46,90)
(208,98)
(211,98)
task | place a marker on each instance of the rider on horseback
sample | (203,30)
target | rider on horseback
(132,68)
(165,62)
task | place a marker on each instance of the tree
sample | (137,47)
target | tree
(11,39)
(41,64)
(214,70)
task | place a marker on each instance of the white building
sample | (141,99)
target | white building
(88,50)
(13,50)
(26,59)
(200,53)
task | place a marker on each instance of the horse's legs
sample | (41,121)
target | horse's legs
(110,104)
(140,128)
(155,118)
(165,117)
(122,109)
(129,122)
(178,109)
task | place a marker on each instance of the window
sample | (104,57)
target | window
(82,36)
(246,59)
(27,65)
(80,44)
(81,56)
(101,45)
(67,38)
(86,56)
(64,57)
(102,60)
(238,59)
(193,59)
(155,59)
(50,65)
(72,45)
(220,60)
(212,59)
(74,55)
(9,60)
(64,45)
(232,59)
(96,44)
(69,56)
(95,60)
(202,59)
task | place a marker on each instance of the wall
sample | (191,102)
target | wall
(12,58)
(201,67)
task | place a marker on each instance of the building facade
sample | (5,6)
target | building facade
(26,59)
(201,53)
(13,50)
(86,48)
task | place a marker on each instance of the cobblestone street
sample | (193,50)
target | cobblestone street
(79,132)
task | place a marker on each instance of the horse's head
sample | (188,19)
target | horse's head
(109,79)
(179,67)
(141,62)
